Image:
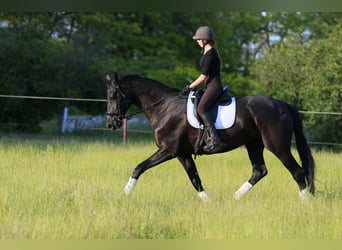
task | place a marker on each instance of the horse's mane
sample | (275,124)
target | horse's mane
(155,83)
(131,77)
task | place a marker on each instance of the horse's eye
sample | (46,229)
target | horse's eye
(112,95)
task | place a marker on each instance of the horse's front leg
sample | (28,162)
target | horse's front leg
(190,168)
(158,157)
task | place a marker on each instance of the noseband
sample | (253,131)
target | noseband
(119,96)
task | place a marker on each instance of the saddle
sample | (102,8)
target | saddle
(222,112)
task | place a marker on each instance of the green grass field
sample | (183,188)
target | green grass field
(73,189)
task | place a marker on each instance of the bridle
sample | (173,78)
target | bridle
(120,95)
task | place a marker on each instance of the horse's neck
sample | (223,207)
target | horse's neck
(149,93)
(150,97)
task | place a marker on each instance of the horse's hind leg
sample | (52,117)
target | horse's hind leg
(255,153)
(283,152)
(296,171)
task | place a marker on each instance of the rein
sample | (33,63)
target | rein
(150,106)
(130,115)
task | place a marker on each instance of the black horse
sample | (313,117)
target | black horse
(261,122)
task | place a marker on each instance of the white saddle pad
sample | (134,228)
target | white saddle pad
(225,114)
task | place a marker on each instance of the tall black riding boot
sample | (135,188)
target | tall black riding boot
(214,141)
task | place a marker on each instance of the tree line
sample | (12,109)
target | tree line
(292,56)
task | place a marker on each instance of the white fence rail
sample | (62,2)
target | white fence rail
(52,98)
(73,123)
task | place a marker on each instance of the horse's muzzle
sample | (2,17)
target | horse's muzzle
(114,122)
(111,124)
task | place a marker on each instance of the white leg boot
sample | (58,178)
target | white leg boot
(242,190)
(130,186)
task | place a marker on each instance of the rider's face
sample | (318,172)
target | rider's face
(200,43)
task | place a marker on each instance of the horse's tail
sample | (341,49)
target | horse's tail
(304,151)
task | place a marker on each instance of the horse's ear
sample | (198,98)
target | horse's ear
(108,77)
(116,77)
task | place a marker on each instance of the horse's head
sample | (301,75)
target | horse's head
(117,105)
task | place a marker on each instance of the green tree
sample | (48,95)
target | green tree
(35,62)
(67,54)
(307,73)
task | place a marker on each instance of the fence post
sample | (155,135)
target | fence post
(64,120)
(124,130)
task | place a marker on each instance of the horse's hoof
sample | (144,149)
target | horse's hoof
(204,196)
(304,194)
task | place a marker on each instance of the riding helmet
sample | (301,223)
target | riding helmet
(204,33)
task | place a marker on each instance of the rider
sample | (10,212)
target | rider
(210,65)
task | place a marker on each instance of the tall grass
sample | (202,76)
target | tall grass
(68,189)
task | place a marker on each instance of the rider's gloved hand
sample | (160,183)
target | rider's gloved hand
(185,91)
